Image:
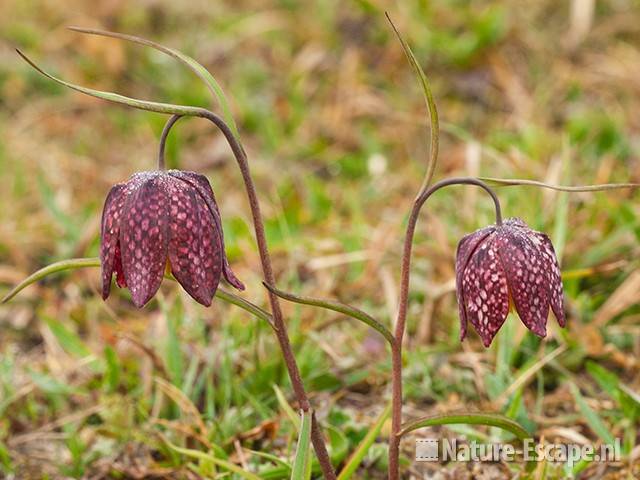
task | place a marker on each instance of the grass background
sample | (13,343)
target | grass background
(336,131)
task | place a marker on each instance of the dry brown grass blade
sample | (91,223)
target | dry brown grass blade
(626,295)
(183,402)
(529,374)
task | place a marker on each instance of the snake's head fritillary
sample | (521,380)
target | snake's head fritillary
(502,265)
(162,218)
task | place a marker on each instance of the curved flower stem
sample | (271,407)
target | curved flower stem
(241,157)
(278,320)
(396,348)
(163,140)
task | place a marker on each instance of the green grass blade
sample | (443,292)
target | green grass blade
(356,458)
(121,99)
(343,308)
(75,263)
(510,182)
(468,418)
(202,73)
(591,416)
(6,459)
(231,467)
(301,462)
(581,466)
(286,408)
(68,340)
(607,380)
(113,369)
(273,458)
(174,360)
(51,386)
(431,105)
(73,344)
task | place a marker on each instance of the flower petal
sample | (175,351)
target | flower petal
(195,247)
(484,291)
(527,277)
(109,233)
(466,247)
(555,280)
(144,236)
(201,183)
(122,283)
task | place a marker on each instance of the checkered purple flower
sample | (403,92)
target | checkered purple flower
(159,219)
(503,265)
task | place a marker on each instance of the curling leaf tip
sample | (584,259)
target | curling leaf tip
(200,71)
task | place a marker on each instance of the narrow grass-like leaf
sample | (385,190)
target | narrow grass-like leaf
(301,462)
(192,64)
(231,467)
(591,416)
(48,270)
(286,408)
(50,385)
(76,263)
(468,418)
(183,402)
(173,349)
(509,182)
(609,382)
(245,305)
(121,99)
(632,394)
(73,344)
(114,369)
(356,457)
(472,418)
(269,456)
(68,340)
(580,466)
(5,459)
(343,308)
(431,105)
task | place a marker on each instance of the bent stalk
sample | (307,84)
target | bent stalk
(281,329)
(241,157)
(396,348)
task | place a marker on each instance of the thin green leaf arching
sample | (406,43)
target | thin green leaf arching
(76,263)
(512,182)
(339,307)
(431,105)
(212,84)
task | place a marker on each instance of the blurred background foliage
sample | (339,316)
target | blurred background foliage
(336,131)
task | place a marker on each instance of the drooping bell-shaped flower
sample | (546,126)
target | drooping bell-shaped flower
(162,218)
(503,265)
